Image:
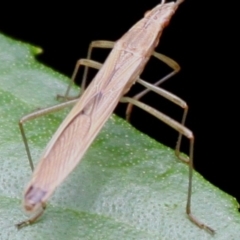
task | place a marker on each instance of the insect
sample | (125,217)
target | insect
(115,77)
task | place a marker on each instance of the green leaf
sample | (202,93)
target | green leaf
(128,186)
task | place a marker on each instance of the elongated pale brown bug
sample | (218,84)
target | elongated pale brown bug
(119,72)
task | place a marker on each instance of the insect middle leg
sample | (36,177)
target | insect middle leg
(86,63)
(94,64)
(182,131)
(173,98)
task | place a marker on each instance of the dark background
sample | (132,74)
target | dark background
(65,31)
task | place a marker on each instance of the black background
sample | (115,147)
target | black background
(64,31)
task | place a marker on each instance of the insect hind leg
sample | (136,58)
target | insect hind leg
(34,115)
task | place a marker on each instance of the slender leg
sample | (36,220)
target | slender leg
(31,220)
(26,118)
(110,44)
(171,63)
(149,87)
(187,133)
(86,63)
(39,113)
(175,99)
(93,44)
